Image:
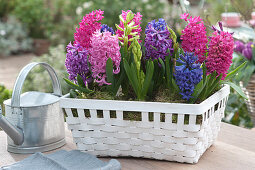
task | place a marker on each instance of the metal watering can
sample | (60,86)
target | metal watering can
(34,121)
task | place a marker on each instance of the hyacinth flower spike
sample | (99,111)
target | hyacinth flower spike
(104,46)
(128,31)
(194,38)
(249,50)
(129,27)
(158,42)
(188,74)
(221,48)
(77,67)
(239,46)
(76,63)
(88,26)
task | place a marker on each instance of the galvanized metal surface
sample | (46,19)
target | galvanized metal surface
(14,132)
(34,121)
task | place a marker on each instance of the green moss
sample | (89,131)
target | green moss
(199,119)
(97,95)
(133,116)
(137,116)
(164,95)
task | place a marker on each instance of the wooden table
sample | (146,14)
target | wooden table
(234,150)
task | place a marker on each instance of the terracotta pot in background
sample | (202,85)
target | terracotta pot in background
(41,46)
(231,19)
(253,15)
(192,2)
(252,21)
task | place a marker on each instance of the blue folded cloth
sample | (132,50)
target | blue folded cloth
(63,160)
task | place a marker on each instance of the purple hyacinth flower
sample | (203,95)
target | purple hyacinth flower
(77,63)
(248,45)
(158,43)
(159,26)
(247,52)
(239,46)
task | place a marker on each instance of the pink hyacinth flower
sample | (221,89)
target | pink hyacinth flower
(194,37)
(221,48)
(88,25)
(104,46)
(137,19)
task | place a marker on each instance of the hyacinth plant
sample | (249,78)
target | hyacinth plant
(116,64)
(244,52)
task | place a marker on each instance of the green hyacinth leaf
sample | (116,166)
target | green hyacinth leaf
(148,77)
(109,70)
(80,81)
(236,88)
(75,86)
(234,72)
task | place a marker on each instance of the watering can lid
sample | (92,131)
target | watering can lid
(34,98)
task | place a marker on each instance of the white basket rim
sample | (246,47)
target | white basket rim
(142,106)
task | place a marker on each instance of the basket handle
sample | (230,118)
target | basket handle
(15,102)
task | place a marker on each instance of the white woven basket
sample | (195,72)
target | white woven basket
(163,139)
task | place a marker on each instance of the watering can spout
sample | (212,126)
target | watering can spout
(13,132)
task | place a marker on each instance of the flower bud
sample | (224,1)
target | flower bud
(119,28)
(129,17)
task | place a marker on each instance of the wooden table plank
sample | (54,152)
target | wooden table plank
(237,136)
(234,150)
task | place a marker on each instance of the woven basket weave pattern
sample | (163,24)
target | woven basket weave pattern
(249,91)
(182,140)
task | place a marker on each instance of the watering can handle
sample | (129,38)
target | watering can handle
(15,102)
